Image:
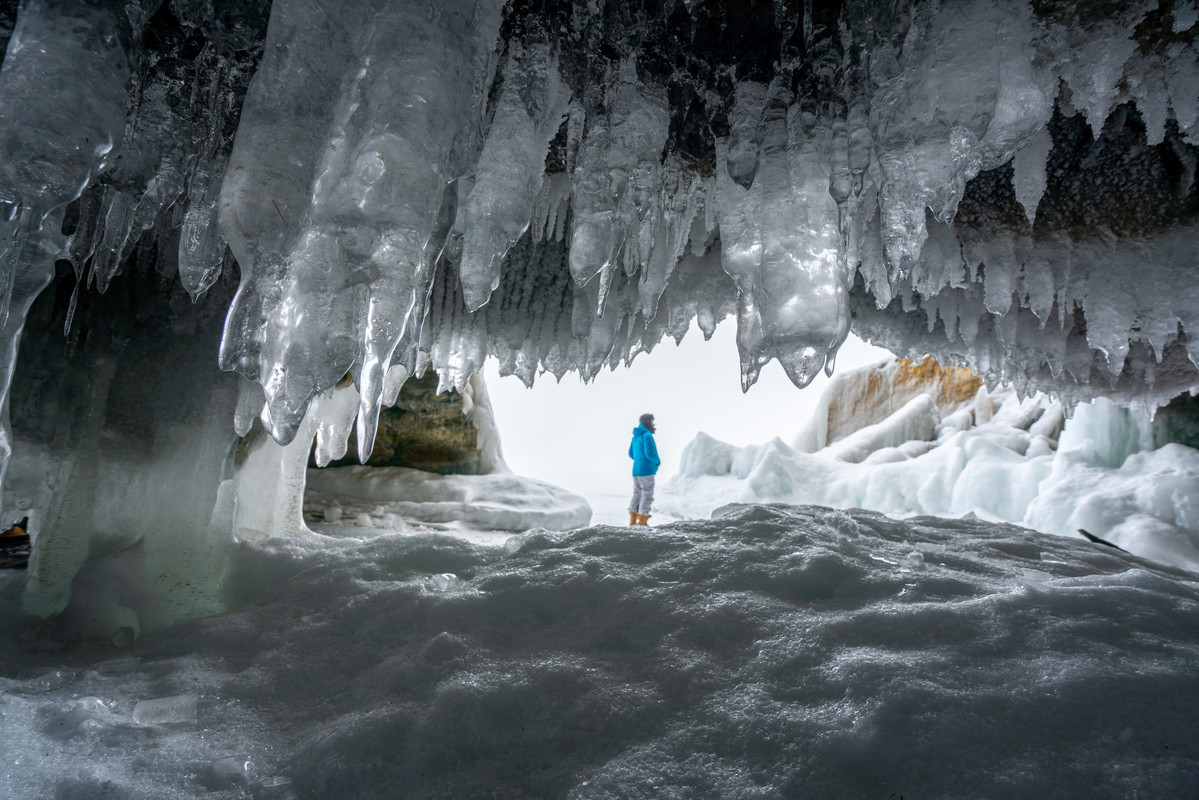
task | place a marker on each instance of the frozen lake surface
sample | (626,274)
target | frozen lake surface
(775,652)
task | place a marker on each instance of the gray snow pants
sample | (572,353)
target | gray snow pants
(643,494)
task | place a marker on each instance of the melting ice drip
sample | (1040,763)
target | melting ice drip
(385,144)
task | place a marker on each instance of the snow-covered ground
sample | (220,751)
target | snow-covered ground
(383,497)
(772,652)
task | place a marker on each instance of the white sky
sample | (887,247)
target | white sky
(577,435)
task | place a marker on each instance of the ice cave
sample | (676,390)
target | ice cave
(263,542)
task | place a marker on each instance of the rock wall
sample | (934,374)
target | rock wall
(423,430)
(867,396)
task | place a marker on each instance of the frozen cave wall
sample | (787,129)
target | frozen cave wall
(404,188)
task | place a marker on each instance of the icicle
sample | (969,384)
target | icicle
(745,115)
(782,241)
(619,164)
(335,231)
(201,246)
(334,412)
(934,136)
(528,114)
(1029,177)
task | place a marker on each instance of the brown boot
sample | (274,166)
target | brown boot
(643,519)
(633,518)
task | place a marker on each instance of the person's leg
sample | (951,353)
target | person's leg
(635,503)
(646,487)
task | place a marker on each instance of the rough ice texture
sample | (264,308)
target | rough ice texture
(992,455)
(773,652)
(979,182)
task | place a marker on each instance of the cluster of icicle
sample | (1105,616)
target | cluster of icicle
(385,141)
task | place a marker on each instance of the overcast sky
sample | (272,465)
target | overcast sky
(577,435)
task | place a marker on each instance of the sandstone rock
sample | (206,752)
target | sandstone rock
(423,430)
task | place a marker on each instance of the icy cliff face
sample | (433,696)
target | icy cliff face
(562,184)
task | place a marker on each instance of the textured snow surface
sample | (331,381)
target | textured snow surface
(773,652)
(499,501)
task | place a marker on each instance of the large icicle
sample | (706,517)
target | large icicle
(346,144)
(781,244)
(62,114)
(966,96)
(510,171)
(616,179)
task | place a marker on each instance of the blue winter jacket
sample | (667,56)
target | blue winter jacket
(644,452)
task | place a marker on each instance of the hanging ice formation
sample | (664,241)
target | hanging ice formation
(409,181)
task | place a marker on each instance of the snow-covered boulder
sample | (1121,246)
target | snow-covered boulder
(498,501)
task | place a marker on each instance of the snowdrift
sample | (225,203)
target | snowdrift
(383,496)
(771,652)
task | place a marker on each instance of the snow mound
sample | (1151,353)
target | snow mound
(997,456)
(772,652)
(498,501)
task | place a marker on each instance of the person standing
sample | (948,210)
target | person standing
(644,453)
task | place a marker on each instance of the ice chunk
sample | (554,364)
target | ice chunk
(87,714)
(276,786)
(166,710)
(48,682)
(228,772)
(442,582)
(118,666)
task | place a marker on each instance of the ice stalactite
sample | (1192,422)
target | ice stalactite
(616,181)
(62,114)
(781,238)
(932,136)
(509,174)
(349,137)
